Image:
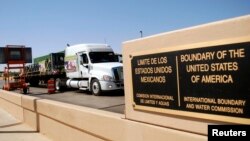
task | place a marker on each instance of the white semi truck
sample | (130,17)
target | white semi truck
(92,67)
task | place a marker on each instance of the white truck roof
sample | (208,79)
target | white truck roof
(72,50)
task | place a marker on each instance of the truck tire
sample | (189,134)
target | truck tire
(25,90)
(96,87)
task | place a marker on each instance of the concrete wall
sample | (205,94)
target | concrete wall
(66,122)
(12,104)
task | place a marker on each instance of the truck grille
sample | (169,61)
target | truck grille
(118,73)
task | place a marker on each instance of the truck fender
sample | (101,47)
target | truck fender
(90,79)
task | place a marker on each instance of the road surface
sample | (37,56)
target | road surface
(111,101)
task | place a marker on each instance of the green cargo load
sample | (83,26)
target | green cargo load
(51,63)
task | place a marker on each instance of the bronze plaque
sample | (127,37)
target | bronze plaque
(212,80)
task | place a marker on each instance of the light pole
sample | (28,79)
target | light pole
(141,33)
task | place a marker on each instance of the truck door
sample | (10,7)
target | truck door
(84,65)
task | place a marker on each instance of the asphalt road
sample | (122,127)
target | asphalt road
(110,101)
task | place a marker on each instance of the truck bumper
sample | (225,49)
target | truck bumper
(107,85)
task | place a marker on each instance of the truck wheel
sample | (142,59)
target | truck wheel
(25,90)
(58,84)
(95,87)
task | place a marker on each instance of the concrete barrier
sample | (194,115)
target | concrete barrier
(66,122)
(30,115)
(20,106)
(11,102)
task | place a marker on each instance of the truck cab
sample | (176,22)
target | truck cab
(93,67)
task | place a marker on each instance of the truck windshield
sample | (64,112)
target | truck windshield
(101,57)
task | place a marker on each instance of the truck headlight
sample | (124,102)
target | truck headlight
(107,78)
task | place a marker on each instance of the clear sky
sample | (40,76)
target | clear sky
(48,25)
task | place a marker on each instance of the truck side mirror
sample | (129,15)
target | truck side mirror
(86,65)
(81,62)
